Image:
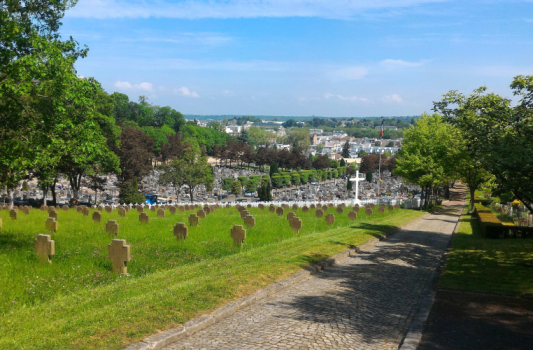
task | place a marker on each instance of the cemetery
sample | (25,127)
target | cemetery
(80,260)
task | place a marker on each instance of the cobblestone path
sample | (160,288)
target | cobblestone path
(363,302)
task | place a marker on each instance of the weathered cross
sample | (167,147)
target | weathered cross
(97,216)
(50,224)
(161,212)
(181,231)
(112,227)
(249,221)
(44,248)
(144,218)
(279,211)
(319,213)
(296,224)
(238,234)
(193,219)
(119,253)
(330,219)
(200,213)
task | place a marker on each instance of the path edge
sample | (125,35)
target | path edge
(164,338)
(414,334)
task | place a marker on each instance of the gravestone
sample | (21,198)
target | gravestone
(187,207)
(238,234)
(285,206)
(44,247)
(312,206)
(390,208)
(121,212)
(172,209)
(295,206)
(207,210)
(44,207)
(127,208)
(355,208)
(97,216)
(340,210)
(153,208)
(193,219)
(111,227)
(261,206)
(249,221)
(79,209)
(271,208)
(330,219)
(352,215)
(319,213)
(305,209)
(290,215)
(244,213)
(330,205)
(228,206)
(50,224)
(381,210)
(140,209)
(52,214)
(144,218)
(181,231)
(181,208)
(200,213)
(85,211)
(161,212)
(100,208)
(26,210)
(324,207)
(279,211)
(249,206)
(368,211)
(14,214)
(296,224)
(396,206)
(119,253)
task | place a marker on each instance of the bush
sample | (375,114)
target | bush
(226,183)
(277,181)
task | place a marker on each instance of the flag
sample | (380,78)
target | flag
(381,132)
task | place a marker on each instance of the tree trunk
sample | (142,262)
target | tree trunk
(75,181)
(10,195)
(45,193)
(190,192)
(53,189)
(472,195)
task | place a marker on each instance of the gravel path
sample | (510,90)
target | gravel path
(363,302)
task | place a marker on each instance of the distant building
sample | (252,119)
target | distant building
(316,131)
(234,129)
(386,127)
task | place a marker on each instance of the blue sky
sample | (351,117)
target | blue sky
(347,58)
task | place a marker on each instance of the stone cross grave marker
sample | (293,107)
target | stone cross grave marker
(312,206)
(14,214)
(296,224)
(295,206)
(319,213)
(305,209)
(111,227)
(44,247)
(161,212)
(97,216)
(140,209)
(144,218)
(244,213)
(238,234)
(381,210)
(290,215)
(249,221)
(181,231)
(330,219)
(368,211)
(261,206)
(200,213)
(324,207)
(271,208)
(207,210)
(108,209)
(193,219)
(340,209)
(279,211)
(121,212)
(153,208)
(352,215)
(396,206)
(181,208)
(172,209)
(390,208)
(119,253)
(100,208)
(85,211)
(228,206)
(356,208)
(50,224)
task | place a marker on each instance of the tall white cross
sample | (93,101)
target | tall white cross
(358,177)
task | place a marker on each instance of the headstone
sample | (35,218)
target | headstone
(140,209)
(312,206)
(119,253)
(26,210)
(390,208)
(249,221)
(153,208)
(44,207)
(381,210)
(44,247)
(50,224)
(271,208)
(14,214)
(396,206)
(319,213)
(324,207)
(355,208)
(340,209)
(261,206)
(193,219)
(352,215)
(201,213)
(52,214)
(181,231)
(295,206)
(85,211)
(238,234)
(111,227)
(296,224)
(181,208)
(279,211)
(97,216)
(305,209)
(290,215)
(249,206)
(330,218)
(79,209)
(127,208)
(207,210)
(330,205)
(161,212)
(121,212)
(187,207)
(144,218)
(285,206)
(100,208)
(108,209)
(228,206)
(368,211)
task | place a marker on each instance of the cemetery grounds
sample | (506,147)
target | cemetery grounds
(77,302)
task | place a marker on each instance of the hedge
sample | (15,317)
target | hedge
(492,227)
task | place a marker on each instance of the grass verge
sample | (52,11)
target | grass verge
(480,264)
(125,310)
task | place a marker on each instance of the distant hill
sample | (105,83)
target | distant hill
(281,118)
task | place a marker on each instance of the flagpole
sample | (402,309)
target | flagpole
(379,163)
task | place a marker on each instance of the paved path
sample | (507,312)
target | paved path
(364,302)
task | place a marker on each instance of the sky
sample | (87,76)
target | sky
(330,58)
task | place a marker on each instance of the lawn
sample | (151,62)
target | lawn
(77,302)
(480,264)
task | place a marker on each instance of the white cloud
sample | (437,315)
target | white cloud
(390,63)
(349,73)
(126,85)
(529,20)
(345,98)
(183,91)
(392,98)
(338,9)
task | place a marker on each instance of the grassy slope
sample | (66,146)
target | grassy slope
(120,310)
(480,264)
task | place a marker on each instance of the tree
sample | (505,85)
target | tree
(96,183)
(135,154)
(349,185)
(346,150)
(129,193)
(236,188)
(265,192)
(258,136)
(342,162)
(273,169)
(193,170)
(173,148)
(299,138)
(497,135)
(369,176)
(362,153)
(321,162)
(251,187)
(370,163)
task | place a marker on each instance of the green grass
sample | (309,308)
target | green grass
(476,263)
(76,302)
